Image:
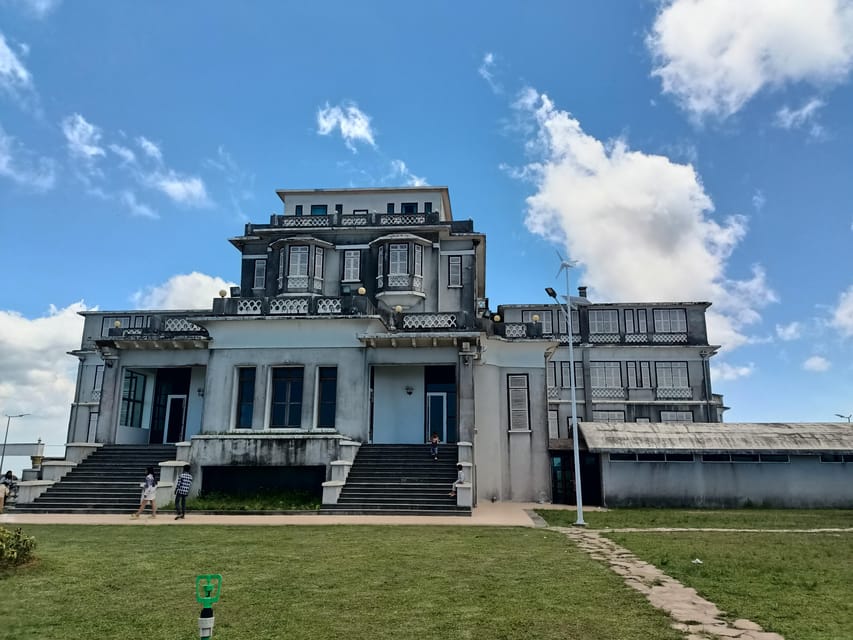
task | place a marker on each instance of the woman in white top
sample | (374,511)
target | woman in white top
(149,494)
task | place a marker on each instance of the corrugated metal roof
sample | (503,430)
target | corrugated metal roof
(765,437)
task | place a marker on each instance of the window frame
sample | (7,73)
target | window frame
(291,412)
(319,209)
(302,250)
(669,369)
(613,415)
(518,394)
(244,399)
(398,257)
(605,368)
(322,400)
(351,255)
(601,324)
(670,320)
(676,416)
(259,279)
(454,275)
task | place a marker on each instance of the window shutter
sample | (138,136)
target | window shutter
(519,418)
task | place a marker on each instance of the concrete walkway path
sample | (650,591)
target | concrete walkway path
(498,514)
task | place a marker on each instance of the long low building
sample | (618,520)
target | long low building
(720,465)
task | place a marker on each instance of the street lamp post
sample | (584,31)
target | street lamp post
(575,442)
(6,437)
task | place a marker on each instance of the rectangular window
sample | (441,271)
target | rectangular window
(298,261)
(551,374)
(565,374)
(629,321)
(132,398)
(641,321)
(519,409)
(745,457)
(352,265)
(604,321)
(138,322)
(608,416)
(773,457)
(544,317)
(286,397)
(676,416)
(553,424)
(651,457)
(672,375)
(99,378)
(454,276)
(339,209)
(835,457)
(645,375)
(409,207)
(327,384)
(389,208)
(679,457)
(319,209)
(670,321)
(716,457)
(245,397)
(260,274)
(281,255)
(319,255)
(605,375)
(642,420)
(561,322)
(380,266)
(109,322)
(419,260)
(632,374)
(398,260)
(298,210)
(427,207)
(622,457)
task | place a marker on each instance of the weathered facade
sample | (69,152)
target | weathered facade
(361,316)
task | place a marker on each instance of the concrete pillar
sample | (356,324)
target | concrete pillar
(465,390)
(110,398)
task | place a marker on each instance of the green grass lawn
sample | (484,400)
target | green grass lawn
(714,518)
(300,582)
(796,584)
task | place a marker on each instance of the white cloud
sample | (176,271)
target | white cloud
(640,224)
(723,371)
(788,332)
(18,164)
(83,137)
(817,363)
(758,200)
(150,149)
(187,190)
(240,183)
(804,117)
(137,208)
(400,169)
(842,315)
(124,153)
(14,77)
(487,72)
(185,291)
(37,8)
(353,123)
(38,375)
(713,56)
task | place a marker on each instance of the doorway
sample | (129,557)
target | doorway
(176,414)
(563,478)
(436,415)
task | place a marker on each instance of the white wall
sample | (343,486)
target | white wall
(397,416)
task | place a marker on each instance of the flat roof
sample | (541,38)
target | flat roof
(722,437)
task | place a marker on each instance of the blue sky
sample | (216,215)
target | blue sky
(680,150)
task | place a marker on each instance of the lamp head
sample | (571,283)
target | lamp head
(362,291)
(551,293)
(535,317)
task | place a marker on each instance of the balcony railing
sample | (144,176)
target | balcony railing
(295,306)
(161,327)
(428,321)
(674,393)
(356,220)
(608,393)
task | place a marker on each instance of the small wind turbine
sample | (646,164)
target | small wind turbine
(845,417)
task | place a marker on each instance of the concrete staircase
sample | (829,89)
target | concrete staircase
(107,481)
(399,479)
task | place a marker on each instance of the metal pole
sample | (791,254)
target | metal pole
(575,442)
(6,437)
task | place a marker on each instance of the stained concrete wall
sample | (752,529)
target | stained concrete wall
(803,482)
(397,416)
(511,465)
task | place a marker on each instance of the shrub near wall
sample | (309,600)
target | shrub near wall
(15,548)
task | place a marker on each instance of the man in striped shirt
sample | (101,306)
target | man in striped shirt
(182,488)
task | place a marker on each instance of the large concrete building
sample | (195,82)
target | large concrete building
(362,317)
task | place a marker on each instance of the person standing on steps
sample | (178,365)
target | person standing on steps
(460,478)
(433,446)
(182,489)
(149,494)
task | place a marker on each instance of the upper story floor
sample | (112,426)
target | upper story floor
(625,323)
(332,251)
